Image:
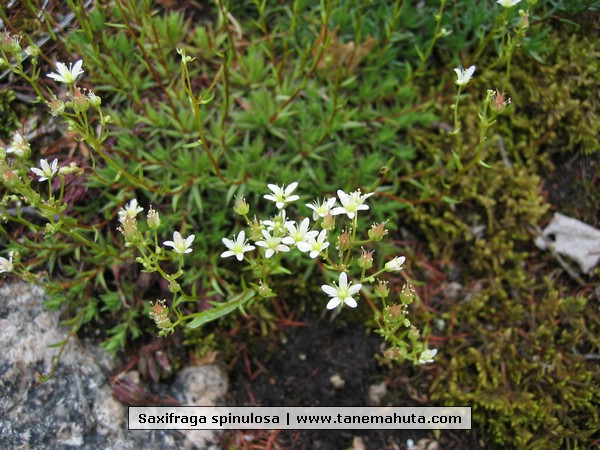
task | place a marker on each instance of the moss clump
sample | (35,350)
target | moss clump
(529,382)
(517,344)
(554,107)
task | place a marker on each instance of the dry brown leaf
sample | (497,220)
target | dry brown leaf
(339,54)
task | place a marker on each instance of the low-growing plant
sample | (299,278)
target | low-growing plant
(188,116)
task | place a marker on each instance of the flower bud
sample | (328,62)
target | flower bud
(499,101)
(240,206)
(80,101)
(184,58)
(524,21)
(393,353)
(344,241)
(160,314)
(57,107)
(10,44)
(94,100)
(6,265)
(377,232)
(19,146)
(395,264)
(153,219)
(174,286)
(413,333)
(32,50)
(396,311)
(128,228)
(71,168)
(382,290)
(328,222)
(407,295)
(10,179)
(365,261)
(264,290)
(256,230)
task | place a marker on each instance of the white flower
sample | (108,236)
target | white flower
(342,293)
(314,246)
(18,145)
(130,210)
(351,204)
(6,265)
(507,3)
(279,223)
(65,74)
(47,171)
(272,244)
(299,234)
(282,195)
(395,264)
(180,245)
(321,209)
(427,356)
(238,247)
(464,75)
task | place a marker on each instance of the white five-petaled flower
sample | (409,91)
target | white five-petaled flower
(130,210)
(278,224)
(342,293)
(179,244)
(282,195)
(351,204)
(463,76)
(18,145)
(395,264)
(300,233)
(427,356)
(238,247)
(314,246)
(47,171)
(6,265)
(272,244)
(67,75)
(507,3)
(321,209)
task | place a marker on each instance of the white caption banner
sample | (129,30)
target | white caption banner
(299,418)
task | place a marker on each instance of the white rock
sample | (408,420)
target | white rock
(573,238)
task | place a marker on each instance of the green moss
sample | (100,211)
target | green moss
(529,383)
(554,108)
(518,344)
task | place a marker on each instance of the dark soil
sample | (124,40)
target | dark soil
(297,371)
(571,186)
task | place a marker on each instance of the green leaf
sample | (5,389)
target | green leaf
(281,271)
(456,159)
(450,201)
(221,309)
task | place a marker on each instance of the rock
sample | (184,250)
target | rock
(572,238)
(337,381)
(377,392)
(201,386)
(75,409)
